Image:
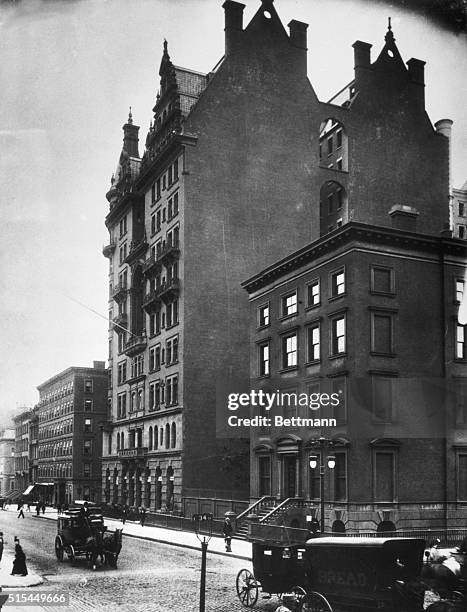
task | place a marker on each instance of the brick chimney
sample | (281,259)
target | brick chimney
(233,24)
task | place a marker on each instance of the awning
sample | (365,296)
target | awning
(28,490)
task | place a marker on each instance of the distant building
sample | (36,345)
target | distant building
(22,423)
(72,407)
(459,212)
(7,461)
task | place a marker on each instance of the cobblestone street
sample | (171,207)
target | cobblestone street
(150,576)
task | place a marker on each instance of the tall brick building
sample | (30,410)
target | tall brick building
(240,167)
(368,311)
(71,409)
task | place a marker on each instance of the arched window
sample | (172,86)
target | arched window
(174,435)
(122,440)
(167,436)
(161,436)
(109,447)
(156,439)
(150,439)
(118,442)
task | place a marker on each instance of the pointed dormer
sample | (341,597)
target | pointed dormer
(266,33)
(390,59)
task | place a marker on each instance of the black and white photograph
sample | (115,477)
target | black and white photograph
(233,251)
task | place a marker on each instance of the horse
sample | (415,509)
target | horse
(112,545)
(443,572)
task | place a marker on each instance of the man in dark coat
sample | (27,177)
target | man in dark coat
(227,531)
(19,563)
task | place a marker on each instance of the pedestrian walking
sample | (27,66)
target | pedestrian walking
(124,514)
(227,530)
(21,511)
(43,508)
(142,515)
(29,507)
(19,562)
(1,545)
(59,508)
(38,508)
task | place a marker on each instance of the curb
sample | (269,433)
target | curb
(7,581)
(170,543)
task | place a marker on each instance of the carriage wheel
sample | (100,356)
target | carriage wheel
(71,553)
(58,549)
(315,602)
(299,595)
(247,588)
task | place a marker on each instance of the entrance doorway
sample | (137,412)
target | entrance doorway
(290,476)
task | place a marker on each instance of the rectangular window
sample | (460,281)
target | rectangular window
(152,397)
(263,315)
(158,188)
(330,145)
(88,405)
(313,293)
(314,342)
(382,333)
(153,224)
(175,204)
(289,351)
(339,163)
(338,335)
(384,476)
(87,448)
(339,138)
(461,209)
(175,170)
(264,359)
(86,470)
(121,406)
(121,372)
(171,350)
(340,477)
(289,304)
(87,425)
(171,390)
(88,386)
(264,472)
(461,344)
(459,290)
(462,476)
(382,399)
(461,231)
(153,193)
(382,279)
(337,283)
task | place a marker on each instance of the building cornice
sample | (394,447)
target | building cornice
(355,232)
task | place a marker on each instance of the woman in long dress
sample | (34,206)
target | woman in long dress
(19,563)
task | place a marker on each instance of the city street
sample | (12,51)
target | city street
(150,576)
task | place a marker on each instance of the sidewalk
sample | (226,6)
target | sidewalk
(184,539)
(9,581)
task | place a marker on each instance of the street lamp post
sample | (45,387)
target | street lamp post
(205,518)
(322,444)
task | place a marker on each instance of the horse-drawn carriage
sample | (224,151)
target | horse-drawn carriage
(81,533)
(339,574)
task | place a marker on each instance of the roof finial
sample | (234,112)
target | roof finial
(389,34)
(130,117)
(165,47)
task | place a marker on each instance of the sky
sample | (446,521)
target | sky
(69,71)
